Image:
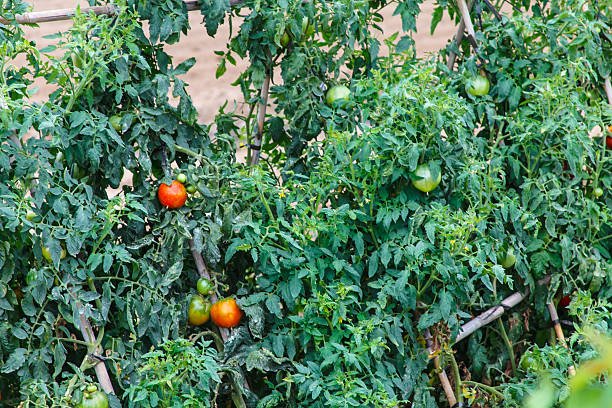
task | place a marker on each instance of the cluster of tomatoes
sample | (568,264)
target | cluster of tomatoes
(225,312)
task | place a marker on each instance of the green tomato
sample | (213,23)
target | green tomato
(181,178)
(205,286)
(337,93)
(77,60)
(31,277)
(597,192)
(530,364)
(508,260)
(425,181)
(478,86)
(95,399)
(32,216)
(115,122)
(46,253)
(285,40)
(191,189)
(198,311)
(307,28)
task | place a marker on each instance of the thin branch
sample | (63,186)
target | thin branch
(261,117)
(469,27)
(458,38)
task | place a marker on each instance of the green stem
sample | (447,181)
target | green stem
(502,331)
(486,388)
(456,377)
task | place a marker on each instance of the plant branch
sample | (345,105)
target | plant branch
(508,343)
(261,117)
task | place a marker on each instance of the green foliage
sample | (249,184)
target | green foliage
(179,374)
(338,262)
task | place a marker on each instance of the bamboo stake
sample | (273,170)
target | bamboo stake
(554,317)
(35,17)
(489,316)
(458,38)
(446,385)
(608,88)
(465,17)
(261,117)
(97,350)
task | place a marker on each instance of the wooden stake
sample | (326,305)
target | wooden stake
(97,350)
(489,316)
(446,385)
(608,88)
(554,317)
(458,38)
(35,17)
(465,17)
(261,118)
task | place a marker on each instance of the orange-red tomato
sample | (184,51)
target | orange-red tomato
(172,196)
(609,142)
(226,313)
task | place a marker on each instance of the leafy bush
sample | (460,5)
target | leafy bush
(339,263)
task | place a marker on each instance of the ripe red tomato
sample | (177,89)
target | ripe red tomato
(172,196)
(565,301)
(226,313)
(609,142)
(198,312)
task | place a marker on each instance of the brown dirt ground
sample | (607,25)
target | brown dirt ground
(209,93)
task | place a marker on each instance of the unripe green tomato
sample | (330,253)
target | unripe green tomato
(46,253)
(508,260)
(337,93)
(77,60)
(32,276)
(205,286)
(478,86)
(96,399)
(425,182)
(181,178)
(115,122)
(307,28)
(598,192)
(191,189)
(31,216)
(285,39)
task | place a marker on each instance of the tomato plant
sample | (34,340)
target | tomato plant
(340,263)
